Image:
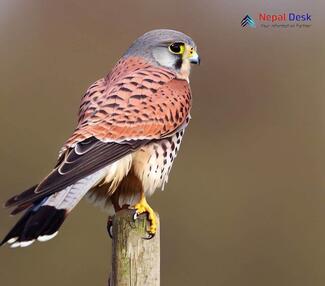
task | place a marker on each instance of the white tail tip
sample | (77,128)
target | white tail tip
(12,240)
(26,243)
(14,245)
(47,237)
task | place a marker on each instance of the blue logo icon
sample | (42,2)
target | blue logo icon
(248,21)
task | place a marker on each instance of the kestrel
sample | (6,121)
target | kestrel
(129,130)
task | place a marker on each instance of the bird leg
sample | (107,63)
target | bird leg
(109,226)
(143,207)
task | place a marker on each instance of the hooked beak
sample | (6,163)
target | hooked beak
(194,58)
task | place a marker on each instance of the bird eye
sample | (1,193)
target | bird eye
(177,48)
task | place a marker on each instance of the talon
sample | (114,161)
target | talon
(110,227)
(150,236)
(135,216)
(143,207)
(110,231)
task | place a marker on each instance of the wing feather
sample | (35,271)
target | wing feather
(76,165)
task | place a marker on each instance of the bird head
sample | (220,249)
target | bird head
(167,48)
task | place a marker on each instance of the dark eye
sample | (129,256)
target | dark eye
(177,48)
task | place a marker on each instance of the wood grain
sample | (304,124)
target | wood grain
(135,261)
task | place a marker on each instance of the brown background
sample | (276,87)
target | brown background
(245,201)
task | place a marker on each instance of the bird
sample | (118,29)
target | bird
(130,127)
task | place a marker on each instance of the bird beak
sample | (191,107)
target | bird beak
(194,58)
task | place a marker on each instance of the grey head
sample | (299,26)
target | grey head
(168,48)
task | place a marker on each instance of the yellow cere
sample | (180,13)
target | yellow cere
(189,51)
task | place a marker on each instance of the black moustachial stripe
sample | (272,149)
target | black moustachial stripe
(178,63)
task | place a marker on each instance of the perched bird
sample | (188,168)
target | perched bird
(130,128)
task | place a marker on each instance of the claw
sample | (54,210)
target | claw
(110,227)
(135,216)
(143,207)
(150,236)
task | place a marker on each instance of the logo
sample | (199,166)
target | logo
(278,20)
(248,21)
(283,17)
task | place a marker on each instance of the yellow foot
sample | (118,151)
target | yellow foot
(143,207)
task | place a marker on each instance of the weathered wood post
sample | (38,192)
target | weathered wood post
(135,261)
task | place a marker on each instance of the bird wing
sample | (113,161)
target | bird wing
(78,162)
(136,104)
(137,101)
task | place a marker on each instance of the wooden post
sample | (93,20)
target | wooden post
(135,261)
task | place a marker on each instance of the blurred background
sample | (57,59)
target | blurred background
(245,204)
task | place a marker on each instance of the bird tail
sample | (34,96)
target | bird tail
(40,222)
(44,217)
